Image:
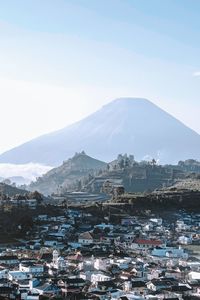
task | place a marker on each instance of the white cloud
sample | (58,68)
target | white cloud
(196,74)
(29,171)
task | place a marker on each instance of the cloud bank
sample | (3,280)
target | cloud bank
(29,171)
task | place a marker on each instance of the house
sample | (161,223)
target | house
(97,294)
(180,225)
(194,275)
(32,295)
(98,276)
(85,238)
(129,221)
(122,264)
(145,244)
(31,268)
(9,259)
(157,221)
(104,226)
(107,285)
(3,274)
(161,284)
(50,242)
(58,236)
(132,296)
(24,285)
(100,264)
(48,289)
(169,252)
(115,294)
(65,227)
(17,275)
(74,284)
(184,240)
(4,282)
(42,217)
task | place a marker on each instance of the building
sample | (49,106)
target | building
(85,238)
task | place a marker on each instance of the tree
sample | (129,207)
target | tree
(121,163)
(153,162)
(127,163)
(106,230)
(96,230)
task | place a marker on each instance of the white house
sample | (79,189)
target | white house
(34,269)
(180,225)
(32,295)
(24,285)
(103,226)
(121,263)
(169,252)
(100,264)
(96,277)
(194,275)
(157,221)
(17,275)
(184,240)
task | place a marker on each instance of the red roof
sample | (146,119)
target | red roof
(148,242)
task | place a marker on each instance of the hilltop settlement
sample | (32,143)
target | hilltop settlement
(126,230)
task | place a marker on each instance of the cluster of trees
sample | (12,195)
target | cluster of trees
(29,195)
(124,162)
(190,165)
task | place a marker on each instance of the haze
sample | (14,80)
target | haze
(62,60)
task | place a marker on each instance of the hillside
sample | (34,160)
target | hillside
(125,125)
(135,176)
(190,184)
(10,191)
(68,175)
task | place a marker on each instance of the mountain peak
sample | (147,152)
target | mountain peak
(134,125)
(129,101)
(71,170)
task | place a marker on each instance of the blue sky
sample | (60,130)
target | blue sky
(63,59)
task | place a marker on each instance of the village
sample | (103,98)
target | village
(95,253)
(100,150)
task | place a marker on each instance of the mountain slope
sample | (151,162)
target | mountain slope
(125,125)
(68,174)
(10,190)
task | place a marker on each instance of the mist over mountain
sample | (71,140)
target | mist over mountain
(22,173)
(126,125)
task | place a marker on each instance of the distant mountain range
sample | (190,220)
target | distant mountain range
(18,180)
(82,173)
(126,125)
